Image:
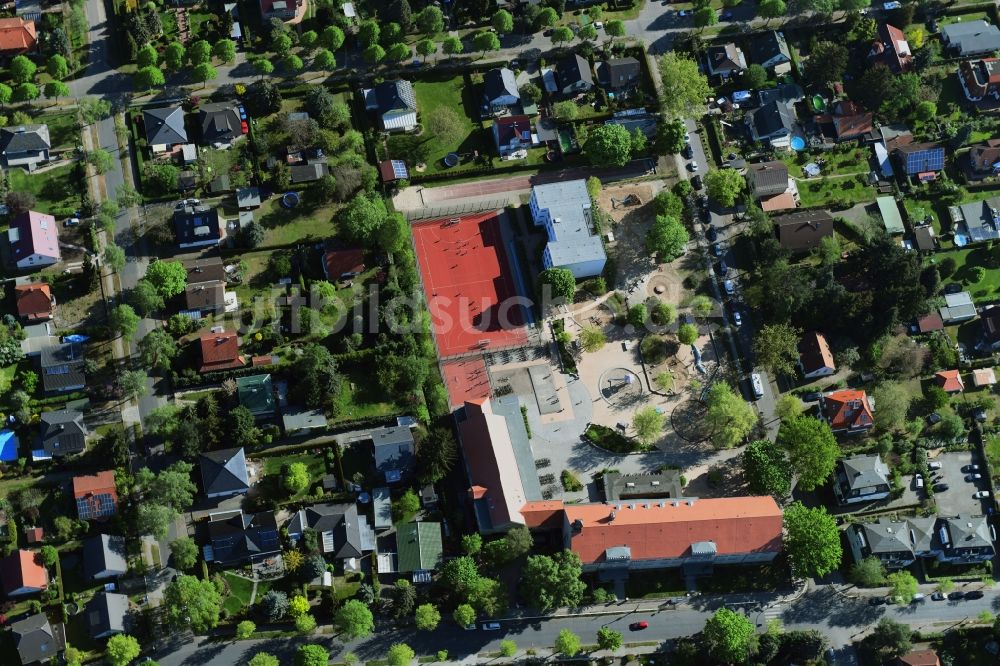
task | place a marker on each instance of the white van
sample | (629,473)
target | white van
(758,385)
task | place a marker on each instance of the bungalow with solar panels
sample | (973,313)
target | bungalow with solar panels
(237,538)
(196,225)
(392,171)
(920,161)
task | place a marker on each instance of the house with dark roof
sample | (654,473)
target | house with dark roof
(256,393)
(343,532)
(803,230)
(848,411)
(574,75)
(925,238)
(618,74)
(982,160)
(224,473)
(393,170)
(861,479)
(197,225)
(17,36)
(394,103)
(238,538)
(967,539)
(220,123)
(499,91)
(419,546)
(725,60)
(512,133)
(769,184)
(62,368)
(815,357)
(25,146)
(970,38)
(220,351)
(95,495)
(37,641)
(309,172)
(665,484)
(920,161)
(107,614)
(991,327)
(394,452)
(247,198)
(205,297)
(34,240)
(770,51)
(343,263)
(164,127)
(889,541)
(63,432)
(104,556)
(891,49)
(34,302)
(775,120)
(22,572)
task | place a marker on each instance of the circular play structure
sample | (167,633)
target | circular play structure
(451,159)
(620,387)
(290,199)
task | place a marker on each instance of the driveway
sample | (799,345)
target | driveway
(958,499)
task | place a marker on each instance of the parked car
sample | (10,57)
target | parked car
(696,182)
(952,288)
(937,596)
(491,626)
(729,286)
(716,249)
(812,397)
(933,465)
(639,626)
(723,268)
(982,494)
(973,477)
(918,597)
(712,235)
(692,167)
(955,596)
(971,468)
(72,222)
(737,319)
(941,487)
(975,594)
(918,480)
(688,152)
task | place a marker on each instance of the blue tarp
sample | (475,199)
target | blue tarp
(8,446)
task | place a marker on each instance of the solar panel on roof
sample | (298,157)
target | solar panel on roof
(399,169)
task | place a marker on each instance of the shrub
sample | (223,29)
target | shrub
(570,482)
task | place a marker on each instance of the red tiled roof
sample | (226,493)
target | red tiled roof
(949,380)
(34,534)
(339,263)
(782,201)
(17,35)
(510,127)
(892,49)
(919,658)
(734,524)
(102,482)
(34,301)
(930,322)
(22,569)
(814,352)
(220,351)
(261,360)
(848,409)
(545,514)
(984,377)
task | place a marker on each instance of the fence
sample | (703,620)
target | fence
(432,213)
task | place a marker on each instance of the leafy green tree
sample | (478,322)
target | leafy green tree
(730,637)
(312,655)
(121,650)
(561,35)
(22,69)
(426,47)
(472,543)
(609,145)
(305,624)
(765,467)
(648,424)
(6,93)
(199,52)
(754,76)
(263,659)
(587,33)
(551,582)
(666,238)
(561,284)
(114,257)
(169,278)
(354,620)
(185,553)
(174,56)
(262,66)
(609,639)
(157,349)
(295,478)
(48,555)
(705,16)
(436,455)
(324,60)
(903,586)
(123,320)
(869,572)
(148,56)
(204,73)
(317,377)
(57,67)
(616,28)
(225,50)
(452,45)
(724,186)
(772,9)
(890,638)
(331,38)
(486,41)
(826,63)
(892,402)
(567,643)
(146,298)
(687,334)
(592,339)
(502,21)
(728,415)
(292,63)
(565,110)
(26,92)
(398,52)
(663,314)
(812,540)
(638,315)
(430,20)
(400,654)
(363,216)
(508,648)
(55,90)
(812,450)
(245,629)
(464,615)
(776,347)
(427,617)
(192,603)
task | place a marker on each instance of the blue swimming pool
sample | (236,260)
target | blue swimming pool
(798,143)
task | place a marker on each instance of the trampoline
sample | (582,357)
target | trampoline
(961,240)
(290,199)
(798,143)
(451,159)
(819,103)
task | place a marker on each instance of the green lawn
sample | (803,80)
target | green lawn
(240,590)
(992,448)
(54,188)
(7,376)
(63,130)
(272,472)
(305,223)
(845,191)
(964,18)
(966,260)
(451,92)
(362,398)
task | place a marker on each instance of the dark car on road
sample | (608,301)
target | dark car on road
(876,601)
(941,487)
(812,397)
(696,182)
(955,596)
(975,594)
(937,596)
(638,626)
(688,152)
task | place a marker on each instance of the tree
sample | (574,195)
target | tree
(400,654)
(765,467)
(430,20)
(121,650)
(666,238)
(687,334)
(890,638)
(508,648)
(169,278)
(262,66)
(728,415)
(567,643)
(663,314)
(464,615)
(565,110)
(427,617)
(892,403)
(146,298)
(354,620)
(317,375)
(204,73)
(616,28)
(174,56)
(502,21)
(724,186)
(298,606)
(777,348)
(245,629)
(561,35)
(363,216)
(609,145)
(22,69)
(812,450)
(185,553)
(312,655)
(826,63)
(551,582)
(324,60)
(951,426)
(305,624)
(56,89)
(192,603)
(560,282)
(426,47)
(6,93)
(114,257)
(812,540)
(771,9)
(444,122)
(486,41)
(295,478)
(157,349)
(705,16)
(225,49)
(869,572)
(407,504)
(530,93)
(592,339)
(48,555)
(754,76)
(274,605)
(670,137)
(452,45)
(609,639)
(123,320)
(199,52)
(148,56)
(472,543)
(648,424)
(637,315)
(903,586)
(263,659)
(26,92)
(398,52)
(730,637)
(57,67)
(519,542)
(331,38)
(787,407)
(436,455)
(587,33)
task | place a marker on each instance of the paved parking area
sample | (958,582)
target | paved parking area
(959,496)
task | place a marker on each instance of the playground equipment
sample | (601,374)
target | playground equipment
(630,200)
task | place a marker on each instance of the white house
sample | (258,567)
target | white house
(563,208)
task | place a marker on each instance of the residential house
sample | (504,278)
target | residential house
(238,538)
(861,479)
(887,540)
(419,547)
(949,381)
(770,51)
(95,495)
(300,421)
(62,368)
(107,614)
(969,540)
(34,240)
(394,103)
(980,78)
(224,473)
(574,75)
(929,323)
(343,264)
(17,36)
(891,49)
(394,452)
(164,128)
(978,221)
(803,230)
(970,38)
(511,134)
(848,411)
(34,535)
(957,308)
(499,91)
(815,357)
(25,146)
(63,432)
(775,121)
(220,351)
(924,535)
(725,60)
(991,327)
(344,534)
(618,74)
(104,556)
(920,161)
(309,172)
(847,121)
(36,640)
(34,302)
(197,225)
(982,160)
(498,462)
(984,377)
(563,208)
(769,184)
(256,393)
(665,484)
(392,171)
(247,198)
(286,10)
(918,658)
(925,238)
(205,297)
(220,123)
(892,220)
(22,572)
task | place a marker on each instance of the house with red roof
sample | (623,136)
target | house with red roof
(220,351)
(891,49)
(17,36)
(22,572)
(815,357)
(95,495)
(512,133)
(34,240)
(846,122)
(34,302)
(950,381)
(343,264)
(919,658)
(286,10)
(848,412)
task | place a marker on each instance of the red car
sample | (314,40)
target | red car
(639,626)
